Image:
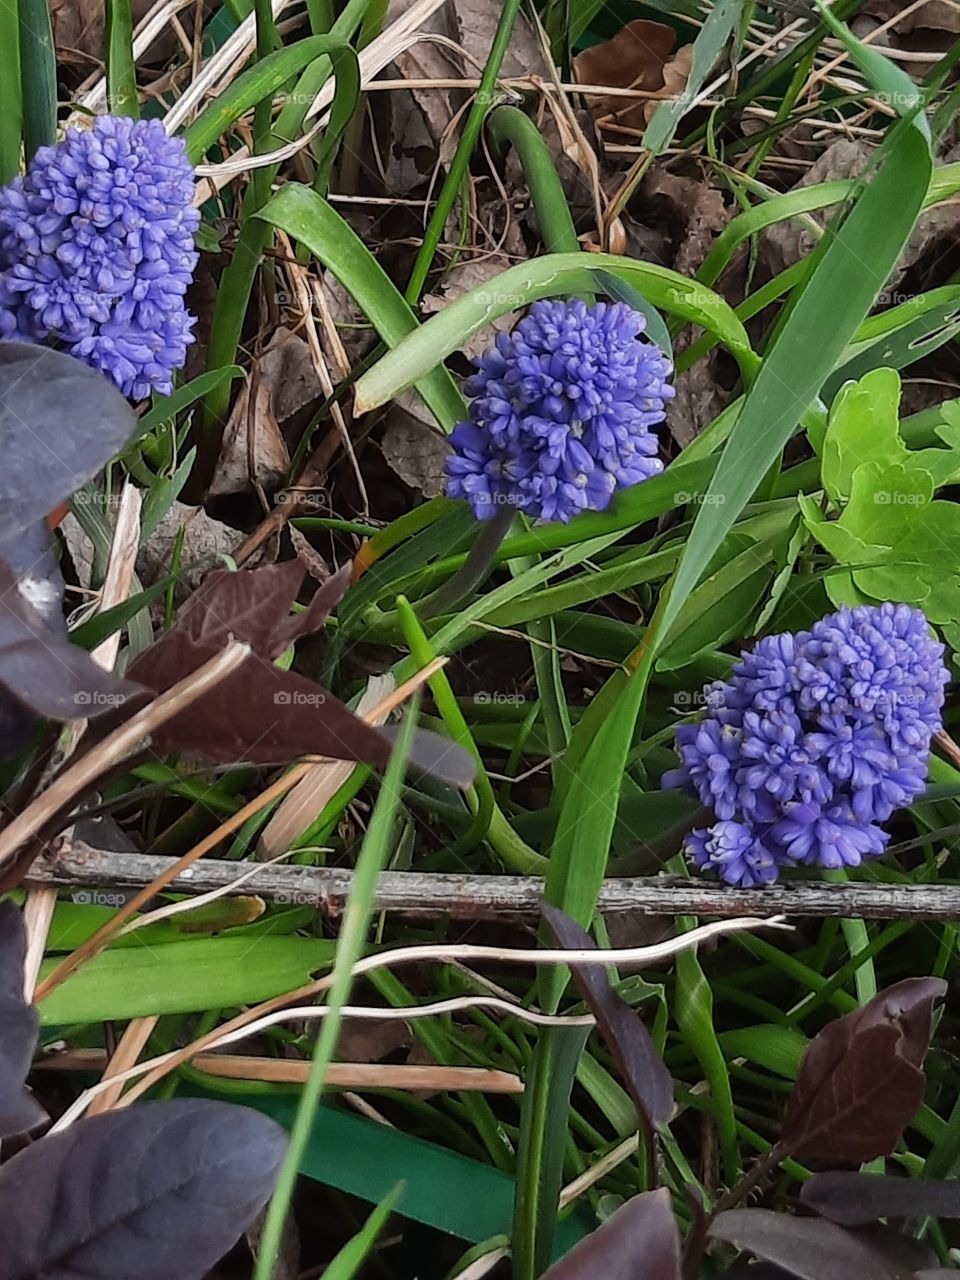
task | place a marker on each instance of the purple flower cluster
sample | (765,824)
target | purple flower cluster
(560,413)
(96,251)
(814,741)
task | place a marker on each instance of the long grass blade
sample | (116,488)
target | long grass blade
(11,107)
(38,76)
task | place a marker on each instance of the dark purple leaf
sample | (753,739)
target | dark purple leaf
(744,1270)
(260,714)
(624,1031)
(18,1029)
(60,422)
(861,1081)
(156,1191)
(254,605)
(639,1242)
(853,1199)
(32,555)
(805,1247)
(43,671)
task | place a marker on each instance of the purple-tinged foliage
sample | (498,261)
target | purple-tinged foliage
(96,251)
(560,413)
(813,742)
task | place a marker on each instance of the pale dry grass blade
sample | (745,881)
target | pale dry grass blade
(39,907)
(378,54)
(342,1075)
(322,781)
(278,1007)
(127,1052)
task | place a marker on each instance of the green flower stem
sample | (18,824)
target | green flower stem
(376,848)
(465,148)
(510,126)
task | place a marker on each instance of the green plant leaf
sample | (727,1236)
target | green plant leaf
(709,44)
(308,218)
(38,77)
(864,426)
(849,268)
(554,275)
(182,977)
(11,104)
(263,80)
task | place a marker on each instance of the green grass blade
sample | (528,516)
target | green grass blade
(354,1253)
(121,72)
(847,272)
(374,852)
(543,1137)
(308,218)
(11,107)
(458,171)
(38,77)
(709,44)
(551,276)
(945,184)
(262,81)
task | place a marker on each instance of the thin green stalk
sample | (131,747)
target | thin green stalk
(121,72)
(353,934)
(465,148)
(268,41)
(510,126)
(236,283)
(11,106)
(38,77)
(480,797)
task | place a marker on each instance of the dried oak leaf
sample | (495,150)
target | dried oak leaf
(861,1081)
(634,58)
(413,447)
(283,380)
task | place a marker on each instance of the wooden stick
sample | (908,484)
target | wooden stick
(345,1075)
(426,896)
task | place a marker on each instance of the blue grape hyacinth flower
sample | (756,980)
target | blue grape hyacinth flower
(560,413)
(97,253)
(813,742)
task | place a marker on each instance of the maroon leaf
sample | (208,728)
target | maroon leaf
(632,1046)
(160,1190)
(43,671)
(254,606)
(640,1242)
(60,422)
(861,1081)
(805,1247)
(18,1029)
(853,1199)
(258,713)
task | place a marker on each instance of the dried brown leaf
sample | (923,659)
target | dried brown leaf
(633,59)
(283,380)
(414,448)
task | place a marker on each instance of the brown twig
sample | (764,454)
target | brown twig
(421,895)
